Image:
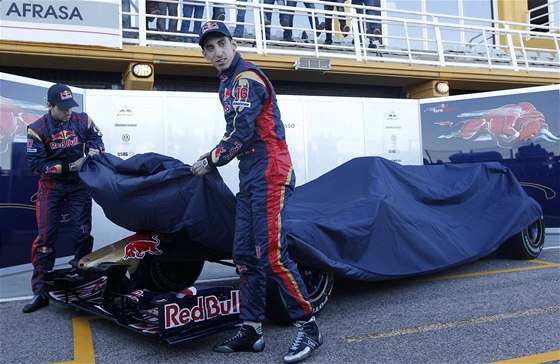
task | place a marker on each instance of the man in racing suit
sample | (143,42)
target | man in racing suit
(255,135)
(55,151)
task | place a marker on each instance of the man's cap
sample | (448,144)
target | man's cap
(210,28)
(60,95)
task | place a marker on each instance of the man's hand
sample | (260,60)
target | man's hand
(200,167)
(78,163)
(91,152)
(203,156)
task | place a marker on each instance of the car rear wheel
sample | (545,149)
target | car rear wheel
(172,276)
(528,244)
(319,287)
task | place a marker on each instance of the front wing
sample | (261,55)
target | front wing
(173,317)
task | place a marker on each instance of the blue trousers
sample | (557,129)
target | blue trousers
(260,246)
(51,198)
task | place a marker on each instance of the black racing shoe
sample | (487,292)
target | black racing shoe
(38,301)
(308,338)
(247,339)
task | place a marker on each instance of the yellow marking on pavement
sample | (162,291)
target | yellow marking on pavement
(542,262)
(448,325)
(83,342)
(533,359)
(541,265)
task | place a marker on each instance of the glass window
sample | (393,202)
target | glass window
(423,37)
(538,13)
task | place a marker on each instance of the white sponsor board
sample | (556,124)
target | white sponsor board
(322,132)
(82,22)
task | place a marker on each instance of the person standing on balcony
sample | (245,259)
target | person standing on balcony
(313,20)
(239,30)
(218,13)
(168,8)
(282,17)
(372,27)
(191,10)
(255,135)
(329,20)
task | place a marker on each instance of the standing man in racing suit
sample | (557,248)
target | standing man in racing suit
(255,135)
(55,151)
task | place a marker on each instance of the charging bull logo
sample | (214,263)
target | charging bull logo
(13,122)
(139,248)
(216,154)
(509,126)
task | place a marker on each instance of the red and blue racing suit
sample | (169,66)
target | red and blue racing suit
(51,148)
(255,135)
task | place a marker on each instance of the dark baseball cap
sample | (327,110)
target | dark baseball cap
(60,95)
(212,27)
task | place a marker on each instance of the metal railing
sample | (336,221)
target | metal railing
(405,36)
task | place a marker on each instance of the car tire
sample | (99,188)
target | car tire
(527,244)
(172,276)
(319,286)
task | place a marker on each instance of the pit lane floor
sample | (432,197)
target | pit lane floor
(489,311)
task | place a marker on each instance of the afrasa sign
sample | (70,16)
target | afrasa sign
(93,23)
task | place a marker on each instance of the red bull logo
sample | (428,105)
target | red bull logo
(138,249)
(216,154)
(509,126)
(64,134)
(206,308)
(64,139)
(65,95)
(211,25)
(54,169)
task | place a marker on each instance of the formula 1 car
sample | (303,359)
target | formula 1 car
(369,219)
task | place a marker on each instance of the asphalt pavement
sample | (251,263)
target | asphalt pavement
(492,310)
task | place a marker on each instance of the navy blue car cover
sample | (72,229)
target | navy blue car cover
(368,219)
(156,193)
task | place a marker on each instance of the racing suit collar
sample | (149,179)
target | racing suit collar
(224,76)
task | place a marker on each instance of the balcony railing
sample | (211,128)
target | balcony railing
(406,37)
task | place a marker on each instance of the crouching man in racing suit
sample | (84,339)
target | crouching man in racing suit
(255,135)
(55,151)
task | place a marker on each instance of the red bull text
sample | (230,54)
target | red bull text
(206,308)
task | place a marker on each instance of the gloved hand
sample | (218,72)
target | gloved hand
(79,163)
(200,167)
(91,152)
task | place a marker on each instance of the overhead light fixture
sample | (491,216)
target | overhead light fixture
(313,64)
(441,88)
(142,70)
